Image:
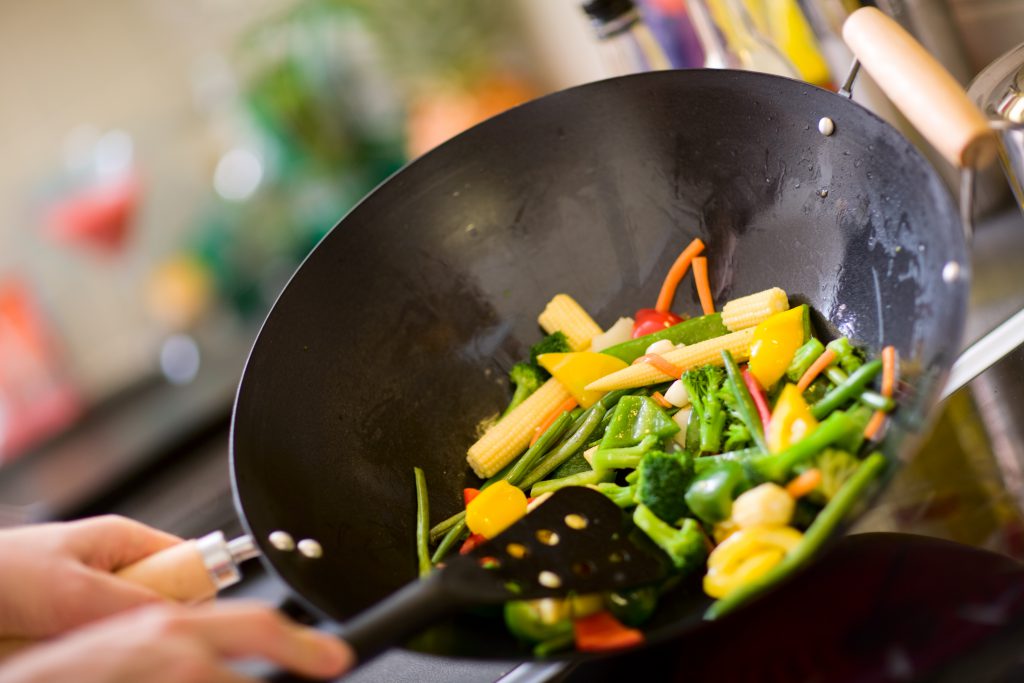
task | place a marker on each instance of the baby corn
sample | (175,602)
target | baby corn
(748,311)
(563,314)
(511,435)
(702,353)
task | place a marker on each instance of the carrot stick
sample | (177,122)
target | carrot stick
(661,400)
(888,385)
(668,367)
(888,371)
(817,367)
(700,278)
(566,405)
(805,483)
(874,424)
(676,273)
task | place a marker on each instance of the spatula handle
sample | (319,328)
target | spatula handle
(399,616)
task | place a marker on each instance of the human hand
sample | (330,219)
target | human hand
(55,577)
(172,643)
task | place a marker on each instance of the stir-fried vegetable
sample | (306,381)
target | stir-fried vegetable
(732,450)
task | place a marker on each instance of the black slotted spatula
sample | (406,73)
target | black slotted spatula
(573,543)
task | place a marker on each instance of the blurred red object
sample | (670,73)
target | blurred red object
(98,216)
(36,397)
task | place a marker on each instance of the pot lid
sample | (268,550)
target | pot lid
(999,89)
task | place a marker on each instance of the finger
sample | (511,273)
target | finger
(87,595)
(244,629)
(111,542)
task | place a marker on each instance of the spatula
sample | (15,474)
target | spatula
(574,543)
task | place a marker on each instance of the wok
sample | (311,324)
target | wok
(392,340)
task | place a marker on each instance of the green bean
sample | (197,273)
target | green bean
(777,466)
(804,358)
(454,535)
(422,522)
(820,530)
(539,448)
(744,401)
(869,398)
(441,528)
(848,390)
(565,451)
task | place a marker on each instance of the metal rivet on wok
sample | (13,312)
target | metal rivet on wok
(951,271)
(282,540)
(310,548)
(826,126)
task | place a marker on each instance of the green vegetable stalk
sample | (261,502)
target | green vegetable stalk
(702,385)
(623,458)
(777,466)
(579,479)
(456,533)
(870,398)
(422,522)
(823,526)
(623,496)
(526,461)
(744,401)
(804,358)
(527,379)
(568,447)
(849,390)
(684,546)
(687,332)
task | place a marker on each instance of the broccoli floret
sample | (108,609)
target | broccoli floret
(664,478)
(685,546)
(703,385)
(527,379)
(836,467)
(556,342)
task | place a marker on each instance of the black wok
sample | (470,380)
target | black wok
(392,340)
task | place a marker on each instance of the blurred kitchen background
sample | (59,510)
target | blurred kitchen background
(168,163)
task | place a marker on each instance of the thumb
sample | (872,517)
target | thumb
(111,542)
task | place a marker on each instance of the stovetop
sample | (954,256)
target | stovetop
(879,607)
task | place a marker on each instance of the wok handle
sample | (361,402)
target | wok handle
(399,616)
(921,88)
(192,571)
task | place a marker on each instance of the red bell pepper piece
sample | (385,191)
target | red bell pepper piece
(648,321)
(602,631)
(760,400)
(468,495)
(470,544)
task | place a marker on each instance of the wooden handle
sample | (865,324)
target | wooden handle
(177,573)
(921,88)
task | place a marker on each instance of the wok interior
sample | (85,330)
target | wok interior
(393,339)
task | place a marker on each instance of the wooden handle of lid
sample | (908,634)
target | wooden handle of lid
(921,88)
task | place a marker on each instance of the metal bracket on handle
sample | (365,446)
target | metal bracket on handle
(851,76)
(967,176)
(222,557)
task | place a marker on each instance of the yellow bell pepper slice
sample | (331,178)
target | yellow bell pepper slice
(791,420)
(746,555)
(496,508)
(576,370)
(774,343)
